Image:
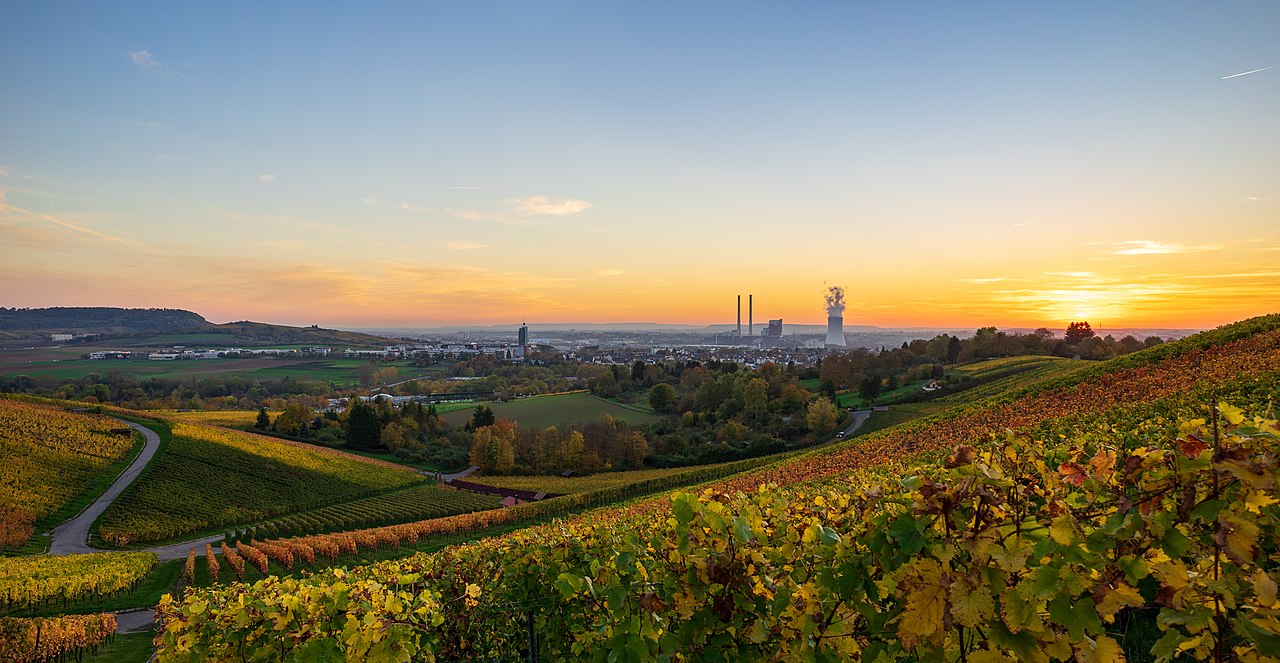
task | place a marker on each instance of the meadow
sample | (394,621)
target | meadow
(341,372)
(556,410)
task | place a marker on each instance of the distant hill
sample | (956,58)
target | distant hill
(101,320)
(111,322)
(260,331)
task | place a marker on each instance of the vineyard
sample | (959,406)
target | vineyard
(30,581)
(242,419)
(212,478)
(50,638)
(1124,496)
(50,456)
(417,503)
(570,485)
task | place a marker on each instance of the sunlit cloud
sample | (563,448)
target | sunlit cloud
(544,206)
(465,245)
(1147,247)
(266,178)
(608,272)
(416,208)
(1074,275)
(370,200)
(143,58)
(982,281)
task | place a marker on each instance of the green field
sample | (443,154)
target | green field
(544,411)
(342,372)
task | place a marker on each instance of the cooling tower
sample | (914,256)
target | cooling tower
(835,316)
(835,331)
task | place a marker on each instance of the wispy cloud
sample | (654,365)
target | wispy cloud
(533,210)
(458,187)
(465,245)
(1258,199)
(12,214)
(370,200)
(608,272)
(4,172)
(416,208)
(1148,247)
(266,178)
(980,281)
(1074,275)
(143,58)
(151,125)
(544,206)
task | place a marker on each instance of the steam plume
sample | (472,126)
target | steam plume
(835,301)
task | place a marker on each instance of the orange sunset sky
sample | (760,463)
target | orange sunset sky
(949,164)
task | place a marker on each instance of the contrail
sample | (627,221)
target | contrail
(1246,73)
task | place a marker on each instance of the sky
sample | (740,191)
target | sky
(429,163)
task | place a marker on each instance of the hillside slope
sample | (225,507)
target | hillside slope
(210,478)
(1122,491)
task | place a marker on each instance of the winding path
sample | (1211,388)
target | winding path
(72,536)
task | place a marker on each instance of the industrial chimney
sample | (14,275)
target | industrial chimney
(835,317)
(739,335)
(750,317)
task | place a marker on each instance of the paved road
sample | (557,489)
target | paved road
(859,418)
(457,475)
(135,621)
(72,536)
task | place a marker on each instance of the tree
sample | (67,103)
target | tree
(755,398)
(637,371)
(869,388)
(392,436)
(1078,331)
(264,420)
(662,397)
(821,417)
(291,420)
(483,416)
(363,431)
(953,349)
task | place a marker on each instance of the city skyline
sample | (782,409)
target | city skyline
(427,165)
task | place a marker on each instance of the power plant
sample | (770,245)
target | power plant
(835,317)
(751,323)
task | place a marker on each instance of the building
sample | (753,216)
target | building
(774,330)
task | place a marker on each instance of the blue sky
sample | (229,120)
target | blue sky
(431,162)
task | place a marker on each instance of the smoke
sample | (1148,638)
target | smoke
(835,301)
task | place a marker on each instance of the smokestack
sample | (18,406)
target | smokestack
(835,316)
(739,316)
(750,317)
